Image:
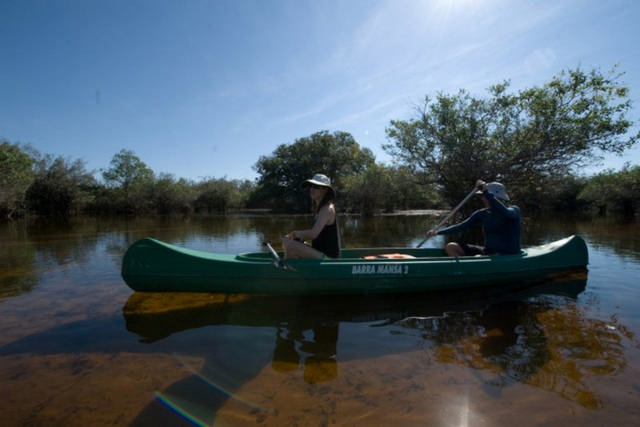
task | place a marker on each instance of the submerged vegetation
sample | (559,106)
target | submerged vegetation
(534,141)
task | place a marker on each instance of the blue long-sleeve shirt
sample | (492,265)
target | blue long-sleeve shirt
(501,226)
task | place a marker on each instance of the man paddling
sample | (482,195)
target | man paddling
(501,225)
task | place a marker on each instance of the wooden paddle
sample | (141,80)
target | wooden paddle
(452,213)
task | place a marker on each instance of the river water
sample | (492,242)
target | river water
(78,347)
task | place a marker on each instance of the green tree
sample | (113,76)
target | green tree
(169,195)
(384,188)
(523,138)
(336,155)
(369,191)
(61,186)
(409,193)
(220,195)
(561,195)
(618,192)
(126,169)
(16,175)
(132,178)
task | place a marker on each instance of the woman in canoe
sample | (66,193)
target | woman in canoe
(501,225)
(324,236)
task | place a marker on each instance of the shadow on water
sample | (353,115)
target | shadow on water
(497,336)
(522,336)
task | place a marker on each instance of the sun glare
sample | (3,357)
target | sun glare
(445,10)
(459,4)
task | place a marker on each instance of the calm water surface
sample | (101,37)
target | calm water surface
(78,347)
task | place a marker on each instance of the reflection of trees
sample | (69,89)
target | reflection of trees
(554,349)
(60,241)
(32,247)
(503,338)
(17,275)
(579,348)
(618,234)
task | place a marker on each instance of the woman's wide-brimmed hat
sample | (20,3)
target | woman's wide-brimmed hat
(320,180)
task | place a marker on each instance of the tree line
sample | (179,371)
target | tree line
(533,140)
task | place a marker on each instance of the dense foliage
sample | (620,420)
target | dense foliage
(61,187)
(336,155)
(383,188)
(16,175)
(57,186)
(534,141)
(618,192)
(524,139)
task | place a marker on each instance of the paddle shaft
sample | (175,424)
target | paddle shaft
(277,261)
(452,213)
(273,252)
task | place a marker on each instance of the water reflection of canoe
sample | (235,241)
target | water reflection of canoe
(154,266)
(154,316)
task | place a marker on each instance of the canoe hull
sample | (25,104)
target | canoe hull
(153,266)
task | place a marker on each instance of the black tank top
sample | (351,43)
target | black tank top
(328,241)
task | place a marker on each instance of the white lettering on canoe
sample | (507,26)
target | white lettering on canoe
(380,269)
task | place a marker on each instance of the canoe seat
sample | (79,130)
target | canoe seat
(389,256)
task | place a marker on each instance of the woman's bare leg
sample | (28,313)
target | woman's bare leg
(294,249)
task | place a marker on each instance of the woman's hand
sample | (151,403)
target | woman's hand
(481,185)
(431,233)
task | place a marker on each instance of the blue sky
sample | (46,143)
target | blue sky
(203,88)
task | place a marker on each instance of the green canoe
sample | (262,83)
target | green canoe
(150,265)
